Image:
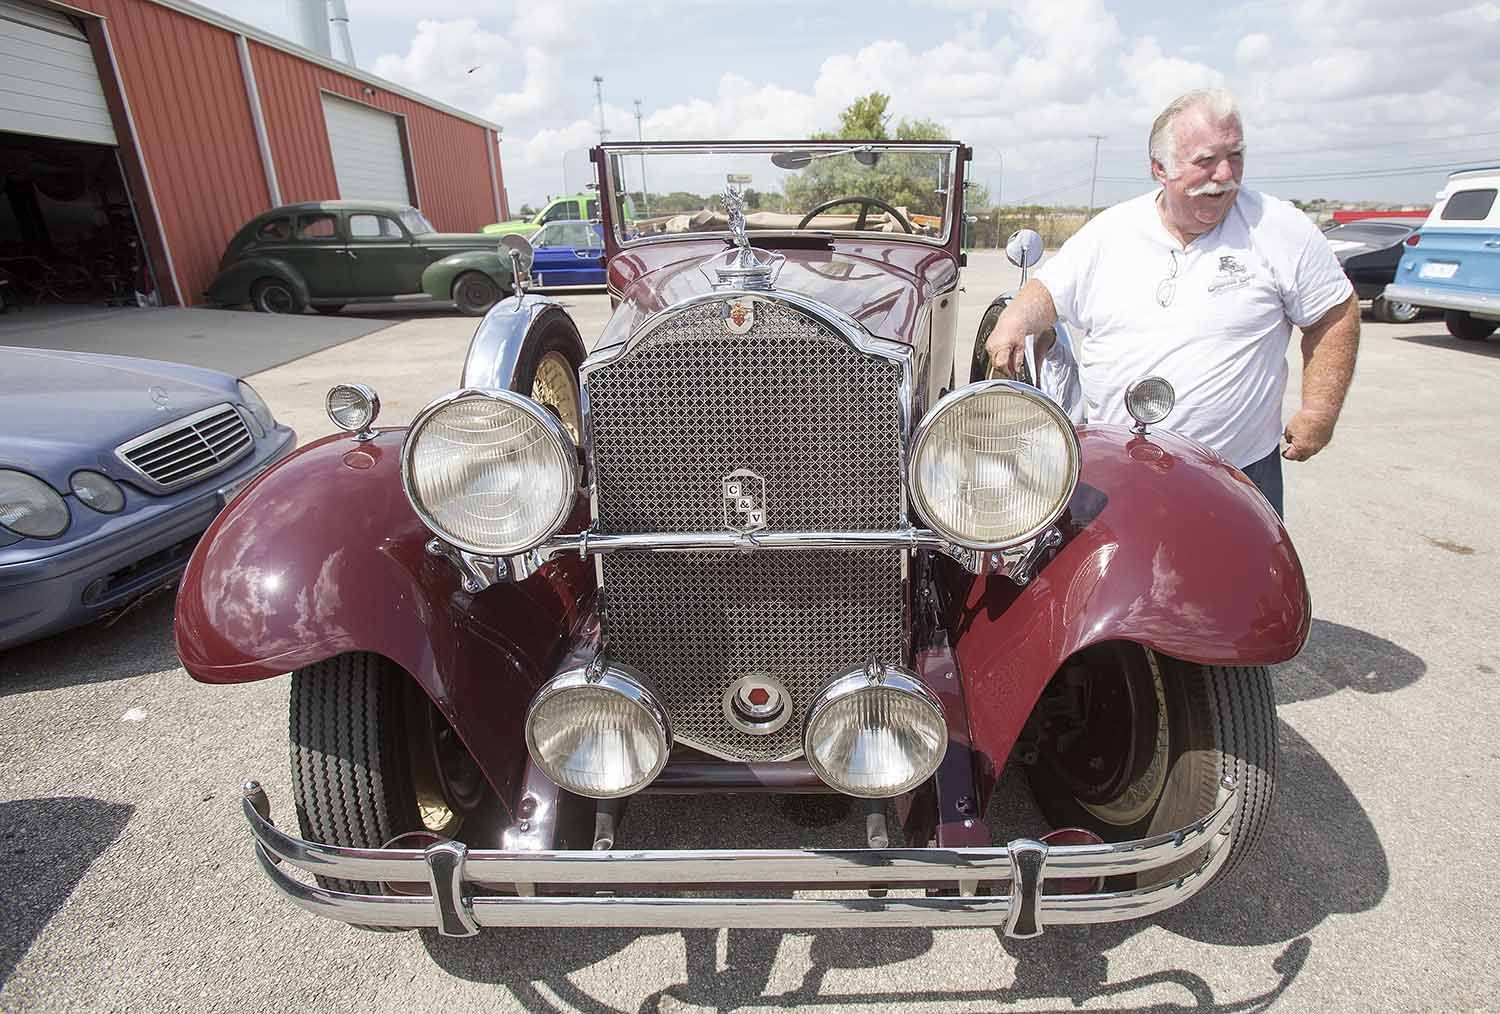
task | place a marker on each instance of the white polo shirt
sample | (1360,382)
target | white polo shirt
(1231,295)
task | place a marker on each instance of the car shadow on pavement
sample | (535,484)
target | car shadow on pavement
(1337,657)
(1489,348)
(137,643)
(46,846)
(1320,856)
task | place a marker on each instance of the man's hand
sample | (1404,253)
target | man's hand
(1307,433)
(1030,312)
(1007,352)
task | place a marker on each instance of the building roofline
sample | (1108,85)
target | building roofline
(265,38)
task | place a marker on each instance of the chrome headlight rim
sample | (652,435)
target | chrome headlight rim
(620,679)
(556,434)
(365,396)
(864,680)
(929,423)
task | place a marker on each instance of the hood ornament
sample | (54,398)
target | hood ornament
(160,396)
(743,268)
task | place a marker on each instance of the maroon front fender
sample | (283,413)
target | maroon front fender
(324,555)
(1165,545)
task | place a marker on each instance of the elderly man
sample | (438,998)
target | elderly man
(1200,282)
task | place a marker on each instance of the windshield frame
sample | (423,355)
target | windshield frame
(609,154)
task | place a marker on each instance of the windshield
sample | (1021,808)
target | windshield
(895,189)
(415,223)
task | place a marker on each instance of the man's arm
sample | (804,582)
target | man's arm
(1030,312)
(1328,350)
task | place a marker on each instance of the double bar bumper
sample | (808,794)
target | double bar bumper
(466,885)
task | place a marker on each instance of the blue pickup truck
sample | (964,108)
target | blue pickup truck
(1453,262)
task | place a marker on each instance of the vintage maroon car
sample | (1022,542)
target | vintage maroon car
(766,537)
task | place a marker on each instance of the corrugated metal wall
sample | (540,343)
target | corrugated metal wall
(186,92)
(448,157)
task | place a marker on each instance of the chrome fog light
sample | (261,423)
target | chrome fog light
(1149,401)
(875,732)
(598,731)
(352,407)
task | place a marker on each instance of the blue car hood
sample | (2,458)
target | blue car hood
(62,411)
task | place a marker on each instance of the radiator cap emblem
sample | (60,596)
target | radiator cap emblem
(744,501)
(739,315)
(757,705)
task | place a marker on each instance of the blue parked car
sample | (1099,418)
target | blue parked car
(110,470)
(1453,263)
(567,253)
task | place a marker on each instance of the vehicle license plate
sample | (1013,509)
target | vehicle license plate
(1438,269)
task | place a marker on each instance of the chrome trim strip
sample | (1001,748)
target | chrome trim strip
(449,868)
(1442,299)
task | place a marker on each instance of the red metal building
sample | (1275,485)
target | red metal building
(215,121)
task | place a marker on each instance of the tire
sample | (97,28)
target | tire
(557,354)
(273,295)
(328,309)
(361,770)
(979,366)
(1468,327)
(475,293)
(1394,313)
(1219,721)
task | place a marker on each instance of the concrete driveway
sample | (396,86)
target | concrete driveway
(129,880)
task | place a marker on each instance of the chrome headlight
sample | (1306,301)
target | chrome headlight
(30,507)
(97,490)
(598,732)
(352,407)
(491,472)
(993,464)
(875,732)
(259,410)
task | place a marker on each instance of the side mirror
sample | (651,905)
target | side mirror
(1024,248)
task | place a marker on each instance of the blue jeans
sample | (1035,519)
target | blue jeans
(1266,474)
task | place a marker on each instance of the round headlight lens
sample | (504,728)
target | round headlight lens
(97,490)
(259,410)
(600,734)
(877,737)
(490,471)
(30,507)
(1149,401)
(352,407)
(994,464)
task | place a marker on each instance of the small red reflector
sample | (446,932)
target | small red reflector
(759,697)
(1414,239)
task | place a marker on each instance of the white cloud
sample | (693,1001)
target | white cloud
(1253,49)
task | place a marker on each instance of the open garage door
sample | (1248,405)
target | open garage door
(49,86)
(369,160)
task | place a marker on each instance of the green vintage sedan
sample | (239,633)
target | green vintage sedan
(328,254)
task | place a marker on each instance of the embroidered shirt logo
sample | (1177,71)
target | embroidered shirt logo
(1231,274)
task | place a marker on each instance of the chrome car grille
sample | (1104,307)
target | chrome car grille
(791,401)
(821,424)
(189,449)
(696,622)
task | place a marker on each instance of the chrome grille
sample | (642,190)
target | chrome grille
(189,449)
(696,622)
(821,422)
(791,401)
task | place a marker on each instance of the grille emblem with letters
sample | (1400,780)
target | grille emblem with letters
(744,501)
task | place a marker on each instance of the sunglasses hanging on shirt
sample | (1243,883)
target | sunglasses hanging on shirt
(1167,288)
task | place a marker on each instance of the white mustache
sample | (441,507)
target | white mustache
(1212,189)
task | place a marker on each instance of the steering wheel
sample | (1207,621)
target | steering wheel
(865,204)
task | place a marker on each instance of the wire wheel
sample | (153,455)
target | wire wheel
(556,387)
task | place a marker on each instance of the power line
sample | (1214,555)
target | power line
(1320,148)
(1048,193)
(1355,174)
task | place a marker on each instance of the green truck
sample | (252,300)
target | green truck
(575,208)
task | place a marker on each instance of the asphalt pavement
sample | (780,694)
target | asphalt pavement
(129,883)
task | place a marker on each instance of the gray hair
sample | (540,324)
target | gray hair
(1162,146)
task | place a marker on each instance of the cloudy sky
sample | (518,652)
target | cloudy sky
(1352,99)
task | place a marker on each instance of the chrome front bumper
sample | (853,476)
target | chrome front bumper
(466,886)
(1486,304)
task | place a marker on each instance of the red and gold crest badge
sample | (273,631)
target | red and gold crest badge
(739,316)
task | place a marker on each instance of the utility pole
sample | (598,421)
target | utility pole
(599,97)
(645,201)
(1095,177)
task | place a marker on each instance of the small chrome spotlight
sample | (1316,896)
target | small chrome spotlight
(598,730)
(1149,401)
(353,408)
(875,732)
